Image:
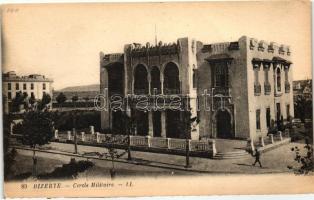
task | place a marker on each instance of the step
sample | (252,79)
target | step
(231,155)
(232,152)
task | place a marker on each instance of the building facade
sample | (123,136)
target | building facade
(233,89)
(33,85)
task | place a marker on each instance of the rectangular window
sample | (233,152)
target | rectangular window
(258,119)
(221,75)
(24,86)
(194,78)
(266,76)
(44,86)
(288,111)
(32,94)
(32,86)
(9,95)
(256,81)
(268,117)
(278,111)
(17,86)
(9,86)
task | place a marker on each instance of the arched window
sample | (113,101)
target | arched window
(171,79)
(278,79)
(140,80)
(155,80)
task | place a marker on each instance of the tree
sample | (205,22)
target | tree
(9,155)
(36,130)
(306,165)
(303,108)
(17,101)
(61,98)
(43,104)
(74,100)
(86,101)
(32,100)
(25,100)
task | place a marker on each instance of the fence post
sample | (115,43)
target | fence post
(56,134)
(250,145)
(287,132)
(213,147)
(97,137)
(131,140)
(168,142)
(261,141)
(83,136)
(190,147)
(271,137)
(91,129)
(280,135)
(149,141)
(69,135)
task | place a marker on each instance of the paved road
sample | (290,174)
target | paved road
(155,164)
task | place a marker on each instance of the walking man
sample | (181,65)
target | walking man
(257,156)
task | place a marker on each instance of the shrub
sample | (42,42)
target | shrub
(68,171)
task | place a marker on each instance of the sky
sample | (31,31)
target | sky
(63,41)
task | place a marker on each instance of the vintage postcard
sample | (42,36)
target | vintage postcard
(153,99)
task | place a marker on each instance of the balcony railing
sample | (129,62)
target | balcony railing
(287,87)
(140,91)
(171,91)
(267,88)
(257,90)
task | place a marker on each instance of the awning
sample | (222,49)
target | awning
(281,60)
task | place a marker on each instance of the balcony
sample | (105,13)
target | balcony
(257,89)
(267,88)
(287,87)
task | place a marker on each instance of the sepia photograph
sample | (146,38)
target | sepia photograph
(153,99)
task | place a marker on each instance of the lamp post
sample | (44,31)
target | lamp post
(129,127)
(187,129)
(74,131)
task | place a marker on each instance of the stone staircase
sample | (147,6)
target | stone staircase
(231,155)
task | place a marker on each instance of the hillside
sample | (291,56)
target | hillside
(82,88)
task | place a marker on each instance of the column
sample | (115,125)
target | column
(161,83)
(163,124)
(149,84)
(150,124)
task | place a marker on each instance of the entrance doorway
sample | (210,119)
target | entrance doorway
(156,124)
(173,124)
(223,124)
(142,123)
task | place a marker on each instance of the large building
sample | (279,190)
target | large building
(34,85)
(235,89)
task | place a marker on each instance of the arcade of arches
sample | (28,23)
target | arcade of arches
(159,123)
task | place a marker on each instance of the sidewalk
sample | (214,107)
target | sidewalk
(274,161)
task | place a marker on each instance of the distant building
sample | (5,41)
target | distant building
(302,88)
(34,85)
(248,82)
